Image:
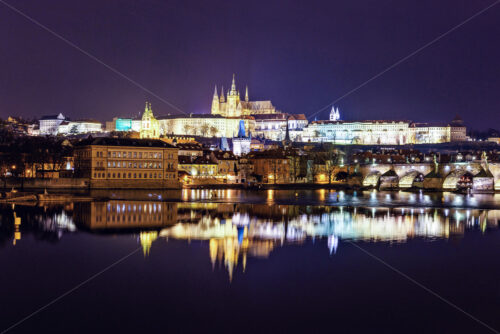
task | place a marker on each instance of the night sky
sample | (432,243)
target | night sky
(300,54)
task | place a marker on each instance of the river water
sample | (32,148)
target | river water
(253,262)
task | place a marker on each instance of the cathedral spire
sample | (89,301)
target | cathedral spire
(222,94)
(246,93)
(215,92)
(233,85)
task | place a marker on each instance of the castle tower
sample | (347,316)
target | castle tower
(246,94)
(222,97)
(233,99)
(150,127)
(215,102)
(334,114)
(233,86)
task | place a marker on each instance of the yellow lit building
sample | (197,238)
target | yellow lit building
(126,163)
(204,125)
(232,106)
(150,127)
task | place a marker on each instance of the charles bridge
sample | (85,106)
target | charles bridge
(478,176)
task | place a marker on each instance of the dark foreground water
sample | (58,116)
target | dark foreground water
(247,262)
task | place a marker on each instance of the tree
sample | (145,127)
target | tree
(204,129)
(74,130)
(187,128)
(213,131)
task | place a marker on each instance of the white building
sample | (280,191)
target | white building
(382,132)
(50,124)
(273,126)
(81,126)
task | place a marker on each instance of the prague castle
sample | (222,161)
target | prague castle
(232,106)
(230,116)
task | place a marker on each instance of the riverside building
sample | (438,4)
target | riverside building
(126,163)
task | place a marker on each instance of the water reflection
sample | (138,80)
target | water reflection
(235,232)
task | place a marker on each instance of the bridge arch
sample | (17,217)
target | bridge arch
(407,180)
(371,180)
(451,180)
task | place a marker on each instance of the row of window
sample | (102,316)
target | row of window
(125,164)
(98,175)
(140,155)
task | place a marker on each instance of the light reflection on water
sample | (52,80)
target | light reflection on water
(344,197)
(235,232)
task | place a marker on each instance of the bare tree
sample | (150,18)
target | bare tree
(213,131)
(204,129)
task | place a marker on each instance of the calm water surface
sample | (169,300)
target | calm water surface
(237,261)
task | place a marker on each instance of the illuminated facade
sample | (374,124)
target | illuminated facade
(81,126)
(232,106)
(126,163)
(204,125)
(381,133)
(150,127)
(50,124)
(273,126)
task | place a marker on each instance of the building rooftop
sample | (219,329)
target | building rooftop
(363,121)
(52,117)
(189,116)
(107,141)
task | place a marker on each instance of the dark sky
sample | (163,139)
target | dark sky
(300,54)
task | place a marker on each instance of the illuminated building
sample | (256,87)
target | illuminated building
(272,166)
(381,132)
(199,168)
(50,124)
(80,126)
(124,124)
(241,143)
(126,163)
(227,166)
(232,106)
(150,127)
(273,126)
(204,125)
